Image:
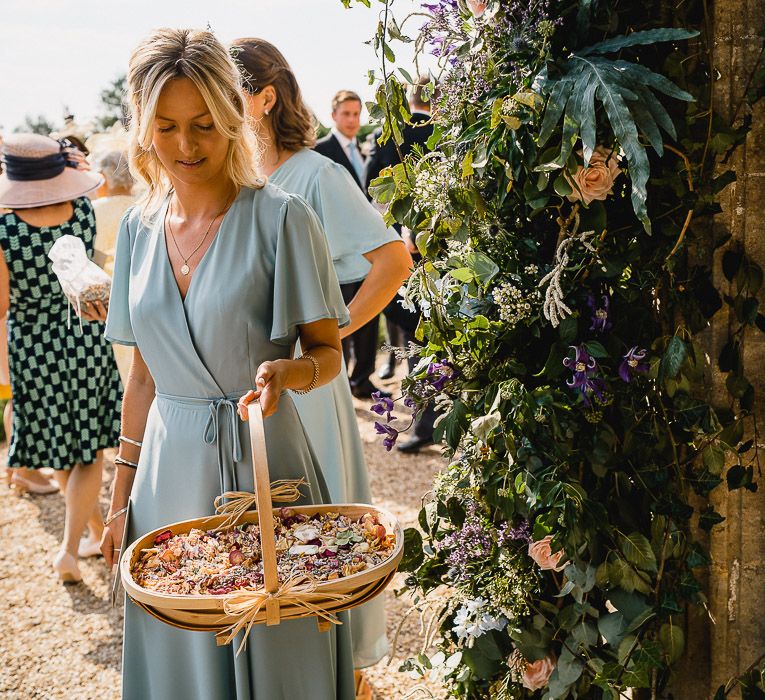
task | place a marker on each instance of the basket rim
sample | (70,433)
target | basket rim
(172,600)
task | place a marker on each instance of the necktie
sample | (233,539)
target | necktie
(355,158)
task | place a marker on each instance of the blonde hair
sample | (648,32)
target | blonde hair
(197,55)
(344,96)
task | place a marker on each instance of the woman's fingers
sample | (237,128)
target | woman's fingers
(92,310)
(248,398)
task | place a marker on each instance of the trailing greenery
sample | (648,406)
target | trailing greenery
(562,210)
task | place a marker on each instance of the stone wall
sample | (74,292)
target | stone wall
(736,582)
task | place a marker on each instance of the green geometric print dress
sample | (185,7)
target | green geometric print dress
(66,388)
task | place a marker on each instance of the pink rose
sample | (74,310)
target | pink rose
(597,180)
(477,7)
(537,673)
(541,552)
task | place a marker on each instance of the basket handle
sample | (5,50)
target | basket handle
(265,511)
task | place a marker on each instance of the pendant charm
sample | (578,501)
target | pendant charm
(185,269)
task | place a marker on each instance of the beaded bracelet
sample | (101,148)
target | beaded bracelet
(127,463)
(122,438)
(312,385)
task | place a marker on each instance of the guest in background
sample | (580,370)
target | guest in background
(341,143)
(64,379)
(401,322)
(115,197)
(342,146)
(361,247)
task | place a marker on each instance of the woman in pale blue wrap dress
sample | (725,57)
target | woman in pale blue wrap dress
(362,248)
(265,281)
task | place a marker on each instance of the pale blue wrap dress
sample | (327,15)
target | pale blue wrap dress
(267,271)
(353,227)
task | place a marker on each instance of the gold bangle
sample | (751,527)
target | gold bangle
(312,385)
(114,516)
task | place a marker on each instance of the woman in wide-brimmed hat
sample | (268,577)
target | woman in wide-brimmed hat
(64,379)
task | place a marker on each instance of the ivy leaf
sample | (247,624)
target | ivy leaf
(484,268)
(714,459)
(673,357)
(413,554)
(638,551)
(596,349)
(672,640)
(739,477)
(612,628)
(709,517)
(452,425)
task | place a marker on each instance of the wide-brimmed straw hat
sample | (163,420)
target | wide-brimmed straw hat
(38,170)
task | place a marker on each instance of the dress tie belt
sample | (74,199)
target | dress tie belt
(220,411)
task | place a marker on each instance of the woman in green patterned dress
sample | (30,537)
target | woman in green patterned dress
(65,384)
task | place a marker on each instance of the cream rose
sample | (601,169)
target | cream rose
(595,181)
(541,552)
(537,673)
(477,7)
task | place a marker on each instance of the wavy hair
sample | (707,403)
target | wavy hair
(197,55)
(262,64)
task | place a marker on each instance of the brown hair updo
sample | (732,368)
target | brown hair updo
(262,64)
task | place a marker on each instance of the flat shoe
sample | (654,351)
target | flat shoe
(65,565)
(26,485)
(89,548)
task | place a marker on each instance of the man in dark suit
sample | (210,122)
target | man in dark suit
(401,323)
(342,146)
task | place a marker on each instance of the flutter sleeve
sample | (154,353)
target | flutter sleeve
(353,226)
(118,327)
(305,284)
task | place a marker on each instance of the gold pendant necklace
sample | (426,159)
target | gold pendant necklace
(185,269)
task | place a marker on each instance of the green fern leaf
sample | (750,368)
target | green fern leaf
(650,36)
(656,108)
(647,125)
(556,104)
(626,134)
(640,75)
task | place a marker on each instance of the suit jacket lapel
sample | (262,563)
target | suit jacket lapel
(344,159)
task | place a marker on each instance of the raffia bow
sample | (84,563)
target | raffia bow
(239,502)
(298,591)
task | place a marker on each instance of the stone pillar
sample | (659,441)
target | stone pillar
(736,583)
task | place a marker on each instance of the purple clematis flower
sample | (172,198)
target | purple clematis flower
(633,364)
(390,432)
(601,313)
(585,369)
(439,373)
(384,406)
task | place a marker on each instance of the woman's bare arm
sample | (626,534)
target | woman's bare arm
(139,393)
(391,265)
(321,340)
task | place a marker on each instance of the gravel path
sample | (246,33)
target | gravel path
(64,641)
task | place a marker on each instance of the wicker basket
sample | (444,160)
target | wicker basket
(276,601)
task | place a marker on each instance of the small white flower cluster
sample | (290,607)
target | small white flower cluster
(471,621)
(434,182)
(510,107)
(514,304)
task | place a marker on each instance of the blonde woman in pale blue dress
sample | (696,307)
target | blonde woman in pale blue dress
(362,248)
(216,276)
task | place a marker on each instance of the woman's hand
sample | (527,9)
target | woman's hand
(92,311)
(111,540)
(269,384)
